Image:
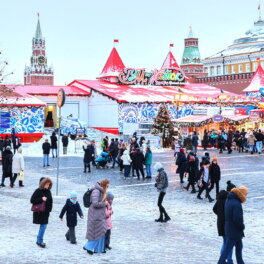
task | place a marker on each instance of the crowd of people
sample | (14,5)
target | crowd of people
(135,157)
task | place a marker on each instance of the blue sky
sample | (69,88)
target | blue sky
(79,34)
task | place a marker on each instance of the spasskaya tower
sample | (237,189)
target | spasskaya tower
(38,73)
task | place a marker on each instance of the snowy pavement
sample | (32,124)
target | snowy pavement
(191,237)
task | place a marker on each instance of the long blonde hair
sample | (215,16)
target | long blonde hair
(103,184)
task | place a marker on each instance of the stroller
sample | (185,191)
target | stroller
(102,160)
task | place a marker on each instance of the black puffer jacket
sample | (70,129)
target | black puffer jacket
(71,210)
(88,154)
(219,210)
(215,172)
(7,159)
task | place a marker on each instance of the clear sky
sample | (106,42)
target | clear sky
(79,33)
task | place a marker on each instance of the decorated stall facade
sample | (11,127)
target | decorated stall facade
(23,113)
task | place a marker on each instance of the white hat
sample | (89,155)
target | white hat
(158,166)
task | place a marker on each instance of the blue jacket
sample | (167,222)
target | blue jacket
(234,223)
(71,213)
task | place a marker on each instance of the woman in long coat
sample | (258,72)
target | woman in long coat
(96,223)
(42,194)
(7,160)
(181,162)
(88,156)
(192,169)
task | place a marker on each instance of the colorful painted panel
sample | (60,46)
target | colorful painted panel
(25,120)
(4,120)
(145,113)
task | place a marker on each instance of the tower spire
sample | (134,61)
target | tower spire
(191,35)
(38,34)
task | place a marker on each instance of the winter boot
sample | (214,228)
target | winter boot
(199,197)
(210,199)
(193,191)
(159,220)
(85,168)
(89,168)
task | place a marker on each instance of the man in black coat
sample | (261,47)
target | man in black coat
(195,140)
(7,160)
(260,137)
(215,175)
(113,149)
(234,224)
(46,152)
(65,142)
(138,161)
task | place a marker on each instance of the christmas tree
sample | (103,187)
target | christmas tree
(163,126)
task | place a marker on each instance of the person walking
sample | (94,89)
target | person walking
(219,210)
(65,142)
(46,152)
(121,150)
(40,196)
(192,170)
(221,142)
(108,214)
(251,142)
(1,146)
(259,144)
(96,224)
(181,162)
(7,160)
(126,162)
(148,162)
(205,140)
(88,156)
(234,224)
(7,142)
(229,142)
(161,184)
(18,167)
(195,140)
(53,140)
(71,208)
(205,180)
(138,161)
(215,175)
(113,150)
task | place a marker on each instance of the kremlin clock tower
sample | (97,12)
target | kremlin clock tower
(38,73)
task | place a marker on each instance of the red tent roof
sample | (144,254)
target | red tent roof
(114,65)
(257,81)
(170,62)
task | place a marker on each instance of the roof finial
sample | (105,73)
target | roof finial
(171,46)
(259,9)
(190,32)
(115,41)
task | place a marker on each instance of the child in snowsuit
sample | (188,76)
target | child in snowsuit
(108,215)
(71,208)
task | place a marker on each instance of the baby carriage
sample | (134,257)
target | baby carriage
(102,160)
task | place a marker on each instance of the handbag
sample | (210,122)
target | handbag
(39,208)
(21,176)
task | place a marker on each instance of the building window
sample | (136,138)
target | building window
(240,68)
(233,69)
(255,66)
(218,70)
(248,67)
(206,70)
(212,71)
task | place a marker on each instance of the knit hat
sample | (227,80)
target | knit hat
(214,159)
(206,162)
(241,193)
(42,178)
(230,186)
(181,150)
(8,148)
(158,166)
(73,194)
(110,196)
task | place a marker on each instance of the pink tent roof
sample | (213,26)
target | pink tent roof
(114,65)
(48,90)
(257,81)
(170,62)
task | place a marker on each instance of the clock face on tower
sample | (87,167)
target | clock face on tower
(41,59)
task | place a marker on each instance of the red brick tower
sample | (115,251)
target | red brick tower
(38,73)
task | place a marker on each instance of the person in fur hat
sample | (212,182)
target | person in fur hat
(234,223)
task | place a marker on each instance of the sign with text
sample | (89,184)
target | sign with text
(172,76)
(218,118)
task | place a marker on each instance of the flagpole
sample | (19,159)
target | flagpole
(259,8)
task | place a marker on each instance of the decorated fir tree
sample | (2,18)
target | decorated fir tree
(163,126)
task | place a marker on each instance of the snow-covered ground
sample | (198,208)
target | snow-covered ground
(191,236)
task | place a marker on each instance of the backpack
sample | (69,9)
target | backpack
(87,198)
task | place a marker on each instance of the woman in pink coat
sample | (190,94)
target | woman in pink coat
(108,215)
